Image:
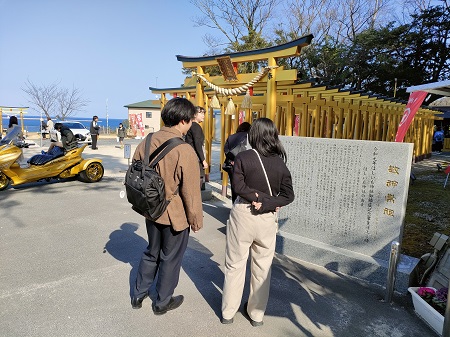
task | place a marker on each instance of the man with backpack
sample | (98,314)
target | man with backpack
(168,235)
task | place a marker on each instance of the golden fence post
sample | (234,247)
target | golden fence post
(340,124)
(351,122)
(289,116)
(372,127)
(357,133)
(207,132)
(224,133)
(278,118)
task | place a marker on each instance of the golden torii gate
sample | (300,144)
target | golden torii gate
(297,108)
(195,87)
(12,111)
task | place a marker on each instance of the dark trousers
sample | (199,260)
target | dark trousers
(202,176)
(233,194)
(94,141)
(164,254)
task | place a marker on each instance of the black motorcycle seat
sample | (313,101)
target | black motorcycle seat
(41,159)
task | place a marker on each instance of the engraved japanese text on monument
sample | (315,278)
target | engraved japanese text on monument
(349,194)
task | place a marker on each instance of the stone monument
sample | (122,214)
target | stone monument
(350,201)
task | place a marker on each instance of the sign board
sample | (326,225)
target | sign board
(127,151)
(350,202)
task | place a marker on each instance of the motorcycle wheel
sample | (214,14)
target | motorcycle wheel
(4,181)
(93,173)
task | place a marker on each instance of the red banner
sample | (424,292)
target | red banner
(133,124)
(415,100)
(447,170)
(140,123)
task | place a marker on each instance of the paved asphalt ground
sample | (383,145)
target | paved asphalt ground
(69,251)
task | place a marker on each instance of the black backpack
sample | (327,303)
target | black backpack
(231,154)
(144,186)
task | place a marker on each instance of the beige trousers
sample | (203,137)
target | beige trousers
(255,234)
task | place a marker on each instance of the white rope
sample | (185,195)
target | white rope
(238,90)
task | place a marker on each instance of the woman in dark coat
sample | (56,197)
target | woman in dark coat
(263,184)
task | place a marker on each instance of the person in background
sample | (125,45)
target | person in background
(263,184)
(12,122)
(44,129)
(67,142)
(94,130)
(168,236)
(438,140)
(121,134)
(50,125)
(235,143)
(196,139)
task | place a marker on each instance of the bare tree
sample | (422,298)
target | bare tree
(68,102)
(53,100)
(358,15)
(43,97)
(306,17)
(234,19)
(341,20)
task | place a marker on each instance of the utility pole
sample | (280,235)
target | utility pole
(107,125)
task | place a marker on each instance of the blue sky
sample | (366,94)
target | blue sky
(112,50)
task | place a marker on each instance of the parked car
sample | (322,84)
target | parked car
(79,130)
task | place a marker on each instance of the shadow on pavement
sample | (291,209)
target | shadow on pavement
(205,273)
(126,246)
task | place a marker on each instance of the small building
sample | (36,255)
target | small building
(443,104)
(144,117)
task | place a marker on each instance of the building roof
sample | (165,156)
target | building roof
(283,50)
(443,101)
(438,88)
(144,104)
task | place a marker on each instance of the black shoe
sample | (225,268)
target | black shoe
(136,302)
(227,321)
(174,303)
(252,322)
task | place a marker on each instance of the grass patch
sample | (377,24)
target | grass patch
(428,207)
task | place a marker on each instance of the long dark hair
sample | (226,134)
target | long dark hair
(263,137)
(13,121)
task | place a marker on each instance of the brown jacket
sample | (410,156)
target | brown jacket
(179,169)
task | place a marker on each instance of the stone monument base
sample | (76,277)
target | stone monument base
(364,267)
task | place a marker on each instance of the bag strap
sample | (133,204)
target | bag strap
(267,179)
(147,148)
(162,150)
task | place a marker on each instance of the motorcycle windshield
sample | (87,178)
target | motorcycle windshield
(11,135)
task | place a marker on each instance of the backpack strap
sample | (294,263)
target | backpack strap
(147,148)
(165,148)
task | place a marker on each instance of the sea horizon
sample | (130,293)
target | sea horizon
(33,123)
